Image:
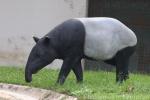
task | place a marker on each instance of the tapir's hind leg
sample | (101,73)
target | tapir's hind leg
(122,62)
(122,68)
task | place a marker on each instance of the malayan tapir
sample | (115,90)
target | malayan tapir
(97,38)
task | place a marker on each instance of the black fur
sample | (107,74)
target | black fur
(68,38)
(66,41)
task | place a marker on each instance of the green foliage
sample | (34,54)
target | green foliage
(96,85)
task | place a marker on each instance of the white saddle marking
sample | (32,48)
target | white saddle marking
(105,37)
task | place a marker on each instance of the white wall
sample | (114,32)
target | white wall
(21,19)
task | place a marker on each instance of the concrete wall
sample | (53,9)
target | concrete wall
(21,19)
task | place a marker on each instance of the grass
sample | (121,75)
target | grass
(97,85)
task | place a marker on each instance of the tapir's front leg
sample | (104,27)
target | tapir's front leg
(68,64)
(73,63)
(78,71)
(64,71)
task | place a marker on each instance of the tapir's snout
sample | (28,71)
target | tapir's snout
(33,67)
(28,76)
(28,79)
(40,56)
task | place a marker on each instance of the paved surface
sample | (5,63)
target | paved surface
(16,92)
(14,96)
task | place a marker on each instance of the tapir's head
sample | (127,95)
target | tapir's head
(41,55)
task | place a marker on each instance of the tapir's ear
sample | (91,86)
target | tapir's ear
(46,39)
(36,39)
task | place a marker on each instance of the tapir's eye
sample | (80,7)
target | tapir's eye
(37,54)
(40,52)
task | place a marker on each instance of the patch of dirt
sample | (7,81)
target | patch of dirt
(16,92)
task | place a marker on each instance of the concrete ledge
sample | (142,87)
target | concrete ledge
(16,92)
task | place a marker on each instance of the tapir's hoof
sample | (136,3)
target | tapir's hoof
(126,77)
(60,81)
(119,82)
(80,81)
